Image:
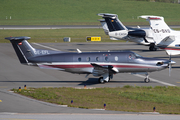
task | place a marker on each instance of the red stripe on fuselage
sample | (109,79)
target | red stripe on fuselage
(86,66)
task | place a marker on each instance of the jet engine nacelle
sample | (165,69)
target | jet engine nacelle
(118,34)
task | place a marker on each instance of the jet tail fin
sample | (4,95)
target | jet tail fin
(160,29)
(116,29)
(156,22)
(22,48)
(112,21)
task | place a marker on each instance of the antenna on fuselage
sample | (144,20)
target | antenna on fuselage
(78,50)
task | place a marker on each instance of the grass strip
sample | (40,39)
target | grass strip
(128,98)
(63,12)
(56,35)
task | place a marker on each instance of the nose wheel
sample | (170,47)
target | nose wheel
(146,80)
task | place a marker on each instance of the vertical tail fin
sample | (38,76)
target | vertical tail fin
(116,30)
(22,48)
(160,29)
(113,23)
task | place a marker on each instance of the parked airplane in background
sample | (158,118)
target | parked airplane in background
(117,31)
(103,64)
(164,37)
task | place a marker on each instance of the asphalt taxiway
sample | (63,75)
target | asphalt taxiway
(15,75)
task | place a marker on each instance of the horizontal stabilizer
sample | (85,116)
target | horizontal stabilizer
(18,38)
(151,17)
(104,25)
(112,21)
(107,15)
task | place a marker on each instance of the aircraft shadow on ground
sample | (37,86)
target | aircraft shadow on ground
(90,81)
(93,81)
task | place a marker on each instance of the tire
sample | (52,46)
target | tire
(101,80)
(155,49)
(146,80)
(152,48)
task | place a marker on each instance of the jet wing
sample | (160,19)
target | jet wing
(99,69)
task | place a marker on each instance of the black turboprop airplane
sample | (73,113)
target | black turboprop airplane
(103,64)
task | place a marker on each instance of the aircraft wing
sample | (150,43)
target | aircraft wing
(99,69)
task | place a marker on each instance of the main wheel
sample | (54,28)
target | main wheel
(152,48)
(146,80)
(101,80)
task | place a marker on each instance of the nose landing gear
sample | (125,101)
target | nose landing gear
(146,80)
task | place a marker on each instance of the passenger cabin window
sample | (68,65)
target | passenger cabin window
(97,58)
(79,59)
(106,58)
(88,59)
(116,58)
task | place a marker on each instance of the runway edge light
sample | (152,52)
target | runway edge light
(19,89)
(25,87)
(93,38)
(104,106)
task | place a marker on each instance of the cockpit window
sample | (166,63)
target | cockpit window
(138,56)
(131,56)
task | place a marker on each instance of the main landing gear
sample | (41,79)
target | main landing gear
(152,47)
(101,80)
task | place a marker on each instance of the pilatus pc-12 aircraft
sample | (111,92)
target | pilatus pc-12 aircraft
(102,64)
(113,27)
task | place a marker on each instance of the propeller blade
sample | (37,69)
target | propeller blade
(170,65)
(170,68)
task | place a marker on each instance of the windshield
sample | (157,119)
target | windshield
(138,56)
